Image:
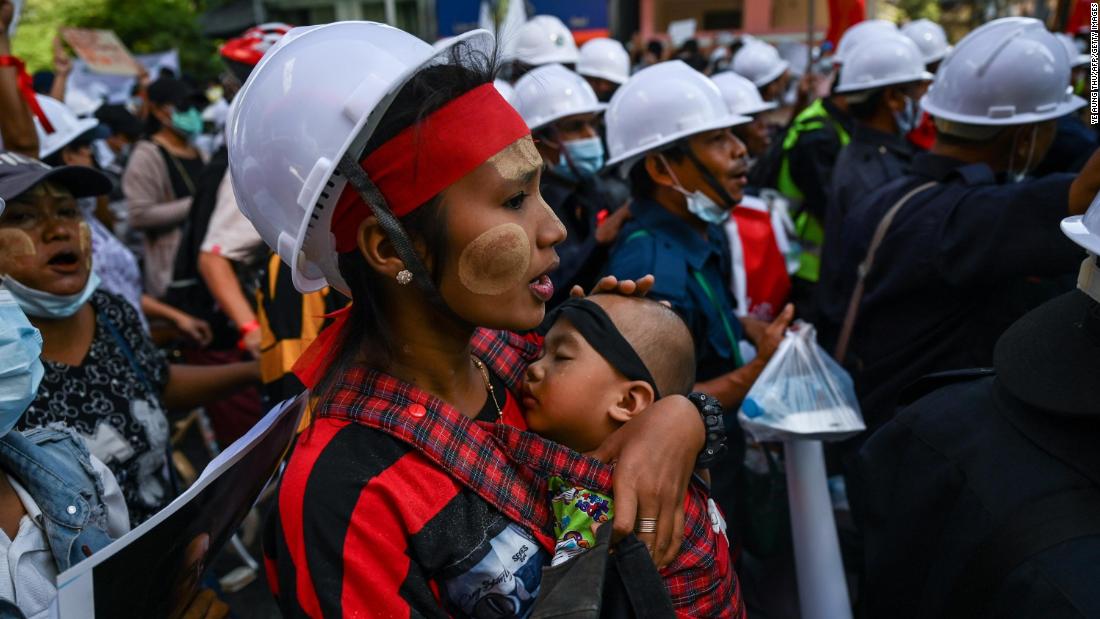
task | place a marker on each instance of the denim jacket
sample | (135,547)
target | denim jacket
(56,470)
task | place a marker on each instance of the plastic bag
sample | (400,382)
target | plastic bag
(801,394)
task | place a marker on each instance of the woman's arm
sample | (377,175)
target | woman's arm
(16,124)
(190,386)
(195,329)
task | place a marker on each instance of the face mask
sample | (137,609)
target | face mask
(907,118)
(189,122)
(699,203)
(47,305)
(586,156)
(1017,177)
(20,366)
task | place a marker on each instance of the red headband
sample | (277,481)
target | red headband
(430,156)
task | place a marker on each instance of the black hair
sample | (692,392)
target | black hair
(366,330)
(655,47)
(865,109)
(119,120)
(641,184)
(167,90)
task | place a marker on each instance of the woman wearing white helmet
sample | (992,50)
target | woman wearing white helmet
(406,181)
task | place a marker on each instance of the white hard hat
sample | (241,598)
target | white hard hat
(860,32)
(1076,58)
(759,62)
(1085,229)
(1010,71)
(885,60)
(659,105)
(507,91)
(66,126)
(742,96)
(315,96)
(606,59)
(544,39)
(929,37)
(550,92)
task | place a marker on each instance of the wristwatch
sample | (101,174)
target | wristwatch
(714,424)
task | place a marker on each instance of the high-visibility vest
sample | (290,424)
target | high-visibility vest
(808,229)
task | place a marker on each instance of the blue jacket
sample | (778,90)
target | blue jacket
(56,471)
(692,274)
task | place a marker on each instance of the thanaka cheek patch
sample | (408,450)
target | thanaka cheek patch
(516,159)
(495,261)
(14,244)
(86,243)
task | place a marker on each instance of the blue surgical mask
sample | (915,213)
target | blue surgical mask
(188,122)
(907,119)
(699,203)
(42,304)
(20,363)
(586,155)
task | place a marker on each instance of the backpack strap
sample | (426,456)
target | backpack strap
(865,268)
(1040,525)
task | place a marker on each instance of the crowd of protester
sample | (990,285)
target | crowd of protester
(528,294)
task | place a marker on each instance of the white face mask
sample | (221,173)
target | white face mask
(699,203)
(907,119)
(41,304)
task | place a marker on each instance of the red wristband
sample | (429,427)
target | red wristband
(11,61)
(248,327)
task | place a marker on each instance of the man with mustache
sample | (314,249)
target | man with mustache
(668,128)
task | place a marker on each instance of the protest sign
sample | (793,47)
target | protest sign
(102,50)
(155,569)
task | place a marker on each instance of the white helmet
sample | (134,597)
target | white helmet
(659,105)
(315,96)
(507,91)
(929,37)
(759,62)
(1010,71)
(606,59)
(859,33)
(741,95)
(66,126)
(1076,58)
(544,39)
(885,60)
(550,92)
(1085,229)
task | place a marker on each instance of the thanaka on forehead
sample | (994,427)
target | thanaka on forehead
(518,160)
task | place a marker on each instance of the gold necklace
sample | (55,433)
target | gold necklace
(489,386)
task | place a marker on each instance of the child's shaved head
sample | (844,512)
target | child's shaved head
(658,335)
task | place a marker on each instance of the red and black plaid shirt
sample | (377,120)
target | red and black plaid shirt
(505,467)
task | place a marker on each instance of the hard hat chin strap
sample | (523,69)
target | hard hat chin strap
(708,177)
(395,232)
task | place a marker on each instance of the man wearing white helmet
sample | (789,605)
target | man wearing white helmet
(931,39)
(744,100)
(883,81)
(961,238)
(760,63)
(1000,515)
(562,112)
(605,64)
(543,39)
(668,128)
